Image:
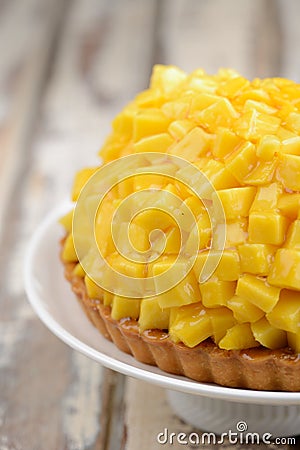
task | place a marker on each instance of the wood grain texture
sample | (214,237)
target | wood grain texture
(66,68)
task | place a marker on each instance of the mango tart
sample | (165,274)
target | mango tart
(241,326)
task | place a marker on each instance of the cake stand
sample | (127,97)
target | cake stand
(207,406)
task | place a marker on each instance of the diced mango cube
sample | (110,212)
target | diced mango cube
(80,180)
(293,236)
(236,201)
(294,341)
(233,86)
(242,161)
(184,293)
(238,337)
(68,252)
(152,316)
(219,114)
(157,143)
(285,270)
(227,264)
(267,335)
(107,298)
(226,142)
(288,171)
(253,124)
(221,320)
(289,205)
(194,144)
(126,267)
(267,147)
(263,173)
(216,293)
(243,310)
(219,176)
(200,236)
(67,221)
(93,290)
(125,307)
(179,128)
(266,198)
(267,228)
(291,146)
(258,292)
(149,122)
(192,325)
(78,271)
(166,78)
(256,258)
(286,314)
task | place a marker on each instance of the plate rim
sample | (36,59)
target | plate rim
(164,380)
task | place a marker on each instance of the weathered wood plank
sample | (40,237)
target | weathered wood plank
(75,115)
(223,33)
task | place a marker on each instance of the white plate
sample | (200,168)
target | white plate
(51,298)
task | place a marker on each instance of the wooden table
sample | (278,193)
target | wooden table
(66,68)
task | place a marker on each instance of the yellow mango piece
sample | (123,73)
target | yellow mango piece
(289,205)
(253,124)
(126,267)
(293,121)
(267,147)
(184,293)
(202,101)
(286,314)
(236,233)
(256,258)
(177,109)
(294,341)
(267,335)
(122,124)
(215,292)
(266,198)
(236,201)
(195,205)
(67,220)
(157,143)
(219,114)
(125,307)
(179,128)
(225,143)
(243,310)
(221,320)
(293,236)
(242,161)
(260,107)
(80,180)
(68,252)
(107,298)
(267,228)
(166,78)
(288,171)
(285,270)
(78,271)
(194,144)
(291,146)
(200,236)
(228,268)
(93,290)
(219,175)
(238,337)
(152,316)
(262,174)
(151,219)
(258,292)
(149,122)
(233,86)
(191,326)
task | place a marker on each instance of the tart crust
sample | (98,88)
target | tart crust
(256,368)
